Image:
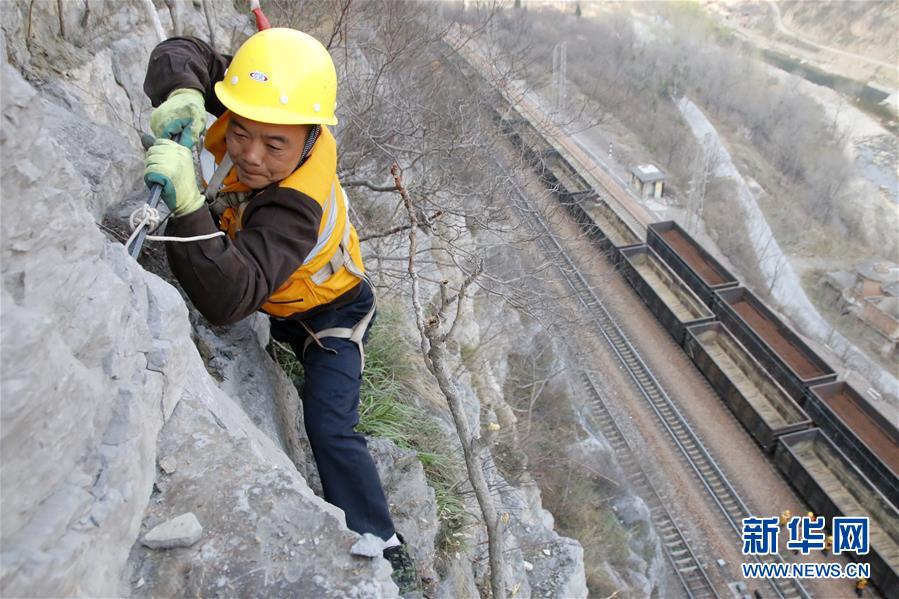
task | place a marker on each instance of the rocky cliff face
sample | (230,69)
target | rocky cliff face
(122,410)
(101,378)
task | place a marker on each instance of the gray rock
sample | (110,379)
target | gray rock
(243,369)
(411,501)
(182,531)
(168,464)
(368,546)
(266,533)
(79,461)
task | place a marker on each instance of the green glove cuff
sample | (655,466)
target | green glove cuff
(189,206)
(186,91)
(171,165)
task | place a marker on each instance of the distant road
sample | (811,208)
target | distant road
(783,29)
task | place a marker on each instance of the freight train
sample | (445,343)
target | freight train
(838,452)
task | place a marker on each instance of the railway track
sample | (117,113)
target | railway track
(685,563)
(682,435)
(693,451)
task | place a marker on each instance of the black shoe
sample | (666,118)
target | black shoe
(404,573)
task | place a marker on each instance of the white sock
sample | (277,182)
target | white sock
(393,541)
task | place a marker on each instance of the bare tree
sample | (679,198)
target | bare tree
(706,162)
(435,334)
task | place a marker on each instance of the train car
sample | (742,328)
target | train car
(757,401)
(861,431)
(833,486)
(774,344)
(608,231)
(668,298)
(563,180)
(689,260)
(571,184)
(526,139)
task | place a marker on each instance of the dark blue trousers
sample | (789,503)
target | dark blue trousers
(330,397)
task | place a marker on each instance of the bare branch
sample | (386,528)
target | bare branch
(154,20)
(458,299)
(398,229)
(210,21)
(416,301)
(62,22)
(370,185)
(339,25)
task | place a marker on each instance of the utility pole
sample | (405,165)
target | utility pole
(698,184)
(560,75)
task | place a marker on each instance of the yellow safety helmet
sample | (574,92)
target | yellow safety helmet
(282,77)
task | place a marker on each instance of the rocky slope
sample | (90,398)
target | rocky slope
(122,409)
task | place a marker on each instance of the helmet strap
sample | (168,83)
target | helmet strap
(314,132)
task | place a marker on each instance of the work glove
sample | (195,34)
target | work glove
(171,165)
(183,112)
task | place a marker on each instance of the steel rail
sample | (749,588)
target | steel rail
(680,432)
(680,554)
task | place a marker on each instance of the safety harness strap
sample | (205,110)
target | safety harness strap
(218,177)
(354,334)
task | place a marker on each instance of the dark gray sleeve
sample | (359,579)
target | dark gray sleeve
(185,62)
(229,280)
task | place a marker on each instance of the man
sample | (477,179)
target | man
(785,517)
(283,243)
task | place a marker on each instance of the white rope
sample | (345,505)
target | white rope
(194,238)
(144,215)
(150,217)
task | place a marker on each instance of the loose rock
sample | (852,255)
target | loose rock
(183,531)
(368,546)
(168,464)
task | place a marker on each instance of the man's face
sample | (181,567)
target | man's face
(264,154)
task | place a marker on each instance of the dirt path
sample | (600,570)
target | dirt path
(790,33)
(826,58)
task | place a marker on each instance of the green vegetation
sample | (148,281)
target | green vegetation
(385,410)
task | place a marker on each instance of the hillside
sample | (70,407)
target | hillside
(854,40)
(867,28)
